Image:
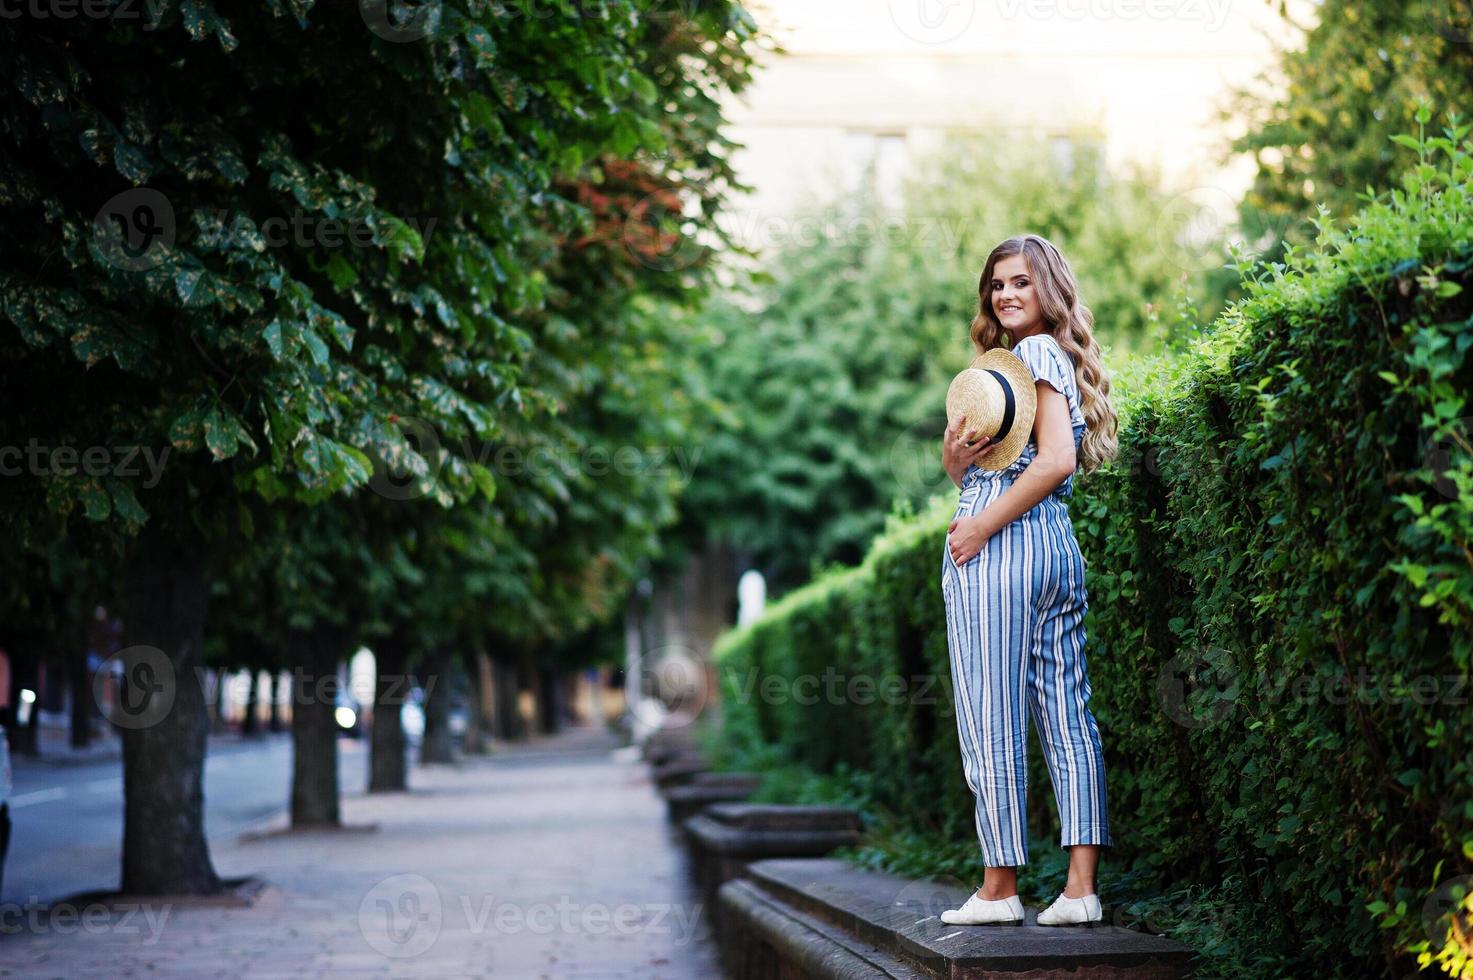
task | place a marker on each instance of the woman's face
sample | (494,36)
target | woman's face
(1014,301)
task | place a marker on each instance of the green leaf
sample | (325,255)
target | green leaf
(223,433)
(95,499)
(274,340)
(125,503)
(342,274)
(187,430)
(485,480)
(201,20)
(131,162)
(316,347)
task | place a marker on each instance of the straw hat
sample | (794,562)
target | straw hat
(995,396)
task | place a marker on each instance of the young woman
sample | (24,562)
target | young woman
(1013,581)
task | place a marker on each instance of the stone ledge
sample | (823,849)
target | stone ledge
(900,918)
(706,788)
(780,941)
(678,771)
(769,816)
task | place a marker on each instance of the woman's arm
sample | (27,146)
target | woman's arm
(956,456)
(1053,464)
(966,536)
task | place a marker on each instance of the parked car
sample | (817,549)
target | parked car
(5,787)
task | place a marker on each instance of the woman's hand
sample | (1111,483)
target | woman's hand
(956,455)
(965,537)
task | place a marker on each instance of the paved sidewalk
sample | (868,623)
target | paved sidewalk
(550,859)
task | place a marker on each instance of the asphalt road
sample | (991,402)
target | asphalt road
(68,819)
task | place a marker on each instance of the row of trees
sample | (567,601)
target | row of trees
(389,292)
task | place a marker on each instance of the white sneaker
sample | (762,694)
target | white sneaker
(978,911)
(1072,911)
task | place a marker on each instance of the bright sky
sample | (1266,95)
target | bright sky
(1203,28)
(1150,73)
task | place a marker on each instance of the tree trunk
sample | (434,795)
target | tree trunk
(273,715)
(508,719)
(251,724)
(477,704)
(387,770)
(81,701)
(164,719)
(315,790)
(435,747)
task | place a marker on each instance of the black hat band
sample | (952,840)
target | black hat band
(1007,415)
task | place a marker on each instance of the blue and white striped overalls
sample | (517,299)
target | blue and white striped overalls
(1015,629)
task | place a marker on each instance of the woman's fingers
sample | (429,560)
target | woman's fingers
(983,445)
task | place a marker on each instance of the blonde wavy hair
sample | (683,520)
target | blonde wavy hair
(1071,323)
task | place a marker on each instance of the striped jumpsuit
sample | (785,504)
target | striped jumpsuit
(1015,629)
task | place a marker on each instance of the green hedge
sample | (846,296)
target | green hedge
(1282,516)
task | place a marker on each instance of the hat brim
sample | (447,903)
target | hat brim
(1025,407)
